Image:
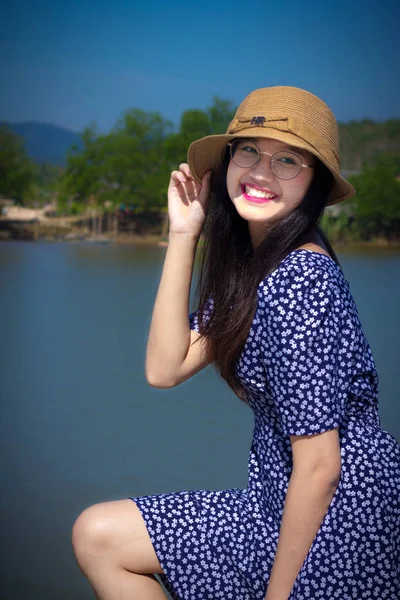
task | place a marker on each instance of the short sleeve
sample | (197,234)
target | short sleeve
(194,317)
(194,321)
(301,341)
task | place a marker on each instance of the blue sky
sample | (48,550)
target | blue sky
(71,63)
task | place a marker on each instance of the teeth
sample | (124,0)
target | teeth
(257,193)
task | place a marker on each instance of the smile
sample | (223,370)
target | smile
(256,194)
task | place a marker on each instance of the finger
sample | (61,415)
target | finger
(191,187)
(190,191)
(185,172)
(183,186)
(184,168)
(177,178)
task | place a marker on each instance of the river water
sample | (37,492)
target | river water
(79,424)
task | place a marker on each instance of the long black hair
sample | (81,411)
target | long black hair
(231,269)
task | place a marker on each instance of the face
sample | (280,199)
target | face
(246,185)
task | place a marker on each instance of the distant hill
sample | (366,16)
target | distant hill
(46,143)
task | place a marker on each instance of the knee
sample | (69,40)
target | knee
(91,534)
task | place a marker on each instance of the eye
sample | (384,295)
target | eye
(248,149)
(287,160)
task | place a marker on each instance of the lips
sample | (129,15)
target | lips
(256,194)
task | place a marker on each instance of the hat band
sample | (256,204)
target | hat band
(291,125)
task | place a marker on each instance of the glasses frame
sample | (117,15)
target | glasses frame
(260,153)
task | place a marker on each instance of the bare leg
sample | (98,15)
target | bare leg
(114,551)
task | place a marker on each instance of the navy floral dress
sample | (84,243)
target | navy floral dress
(307,368)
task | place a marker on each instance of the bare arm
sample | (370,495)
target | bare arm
(315,476)
(172,356)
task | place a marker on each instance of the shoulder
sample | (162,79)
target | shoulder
(303,273)
(313,247)
(305,297)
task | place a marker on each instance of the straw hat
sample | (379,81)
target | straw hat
(283,113)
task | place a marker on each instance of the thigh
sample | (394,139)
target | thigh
(116,530)
(206,542)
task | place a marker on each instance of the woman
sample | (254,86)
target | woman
(320,515)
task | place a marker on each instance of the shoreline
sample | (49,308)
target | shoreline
(162,241)
(64,232)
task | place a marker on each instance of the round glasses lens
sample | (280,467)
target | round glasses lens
(244,153)
(286,165)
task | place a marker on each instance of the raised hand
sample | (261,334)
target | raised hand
(187,201)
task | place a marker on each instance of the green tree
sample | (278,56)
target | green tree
(389,161)
(79,180)
(377,203)
(16,171)
(220,114)
(195,124)
(132,164)
(361,142)
(126,166)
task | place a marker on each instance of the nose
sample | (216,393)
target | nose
(262,169)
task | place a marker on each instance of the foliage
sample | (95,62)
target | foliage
(195,124)
(374,213)
(377,204)
(361,142)
(131,166)
(126,166)
(337,223)
(45,184)
(16,171)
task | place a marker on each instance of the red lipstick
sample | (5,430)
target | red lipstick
(255,199)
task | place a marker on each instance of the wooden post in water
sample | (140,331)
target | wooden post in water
(115,222)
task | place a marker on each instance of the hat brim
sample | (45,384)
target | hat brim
(207,154)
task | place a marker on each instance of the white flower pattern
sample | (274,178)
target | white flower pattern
(307,368)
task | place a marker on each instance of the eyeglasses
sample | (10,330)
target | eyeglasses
(284,164)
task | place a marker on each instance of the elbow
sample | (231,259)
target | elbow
(161,381)
(333,472)
(328,477)
(160,384)
(335,479)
